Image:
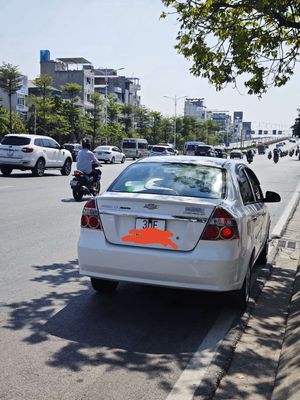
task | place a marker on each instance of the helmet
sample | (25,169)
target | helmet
(86,144)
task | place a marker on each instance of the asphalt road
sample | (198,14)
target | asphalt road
(59,339)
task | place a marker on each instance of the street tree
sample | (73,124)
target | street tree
(258,39)
(44,84)
(296,126)
(10,82)
(97,101)
(72,90)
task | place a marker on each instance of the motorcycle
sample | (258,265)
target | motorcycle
(84,184)
(276,158)
(249,159)
(269,155)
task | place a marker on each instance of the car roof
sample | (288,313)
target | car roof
(208,161)
(29,136)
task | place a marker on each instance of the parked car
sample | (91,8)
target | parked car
(205,150)
(177,221)
(220,152)
(237,154)
(33,152)
(161,150)
(110,154)
(74,149)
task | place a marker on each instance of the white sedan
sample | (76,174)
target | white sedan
(177,221)
(110,154)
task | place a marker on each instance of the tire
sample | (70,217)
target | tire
(66,169)
(239,298)
(96,190)
(123,160)
(39,168)
(112,160)
(263,256)
(103,285)
(6,171)
(77,194)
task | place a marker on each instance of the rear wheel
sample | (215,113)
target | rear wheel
(39,168)
(66,169)
(123,160)
(77,194)
(6,171)
(240,298)
(103,285)
(263,257)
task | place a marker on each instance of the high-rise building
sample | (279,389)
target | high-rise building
(194,107)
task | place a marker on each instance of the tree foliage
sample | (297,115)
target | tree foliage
(259,39)
(10,82)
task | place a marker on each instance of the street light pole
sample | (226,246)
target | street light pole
(175,99)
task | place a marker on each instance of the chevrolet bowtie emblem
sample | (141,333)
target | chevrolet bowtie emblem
(151,206)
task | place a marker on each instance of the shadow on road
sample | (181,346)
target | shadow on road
(139,328)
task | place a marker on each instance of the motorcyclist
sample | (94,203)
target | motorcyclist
(86,160)
(249,154)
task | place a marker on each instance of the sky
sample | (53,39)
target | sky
(129,34)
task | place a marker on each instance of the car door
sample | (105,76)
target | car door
(263,219)
(57,153)
(251,211)
(117,153)
(47,151)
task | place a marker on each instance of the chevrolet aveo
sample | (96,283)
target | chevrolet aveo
(182,222)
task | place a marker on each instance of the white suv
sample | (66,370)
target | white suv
(37,153)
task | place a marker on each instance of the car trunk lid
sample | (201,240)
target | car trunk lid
(154,221)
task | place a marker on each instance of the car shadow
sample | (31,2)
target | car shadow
(128,329)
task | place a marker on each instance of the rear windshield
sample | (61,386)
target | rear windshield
(15,140)
(191,147)
(129,145)
(203,148)
(176,179)
(158,149)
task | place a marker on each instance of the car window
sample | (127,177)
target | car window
(245,187)
(116,149)
(172,179)
(255,185)
(15,140)
(53,144)
(38,142)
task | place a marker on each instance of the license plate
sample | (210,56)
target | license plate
(143,223)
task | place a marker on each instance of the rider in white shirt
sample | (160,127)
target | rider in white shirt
(87,159)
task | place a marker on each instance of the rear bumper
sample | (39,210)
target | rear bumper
(201,269)
(17,164)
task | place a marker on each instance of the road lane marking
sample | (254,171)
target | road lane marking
(5,187)
(289,210)
(190,379)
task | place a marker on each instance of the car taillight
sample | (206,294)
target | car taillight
(221,226)
(90,217)
(27,149)
(77,173)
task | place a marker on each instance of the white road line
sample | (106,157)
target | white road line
(191,377)
(281,224)
(5,187)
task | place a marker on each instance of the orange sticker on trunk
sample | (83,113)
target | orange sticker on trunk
(150,236)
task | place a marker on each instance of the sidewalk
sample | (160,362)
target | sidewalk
(266,361)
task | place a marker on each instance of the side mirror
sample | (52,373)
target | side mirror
(61,147)
(272,197)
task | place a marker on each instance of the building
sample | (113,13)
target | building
(222,118)
(194,107)
(18,99)
(70,70)
(107,81)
